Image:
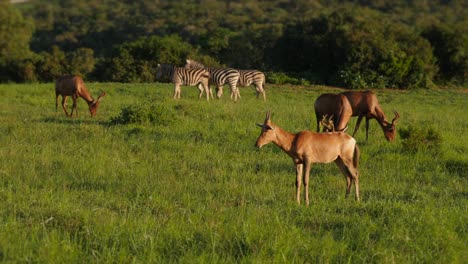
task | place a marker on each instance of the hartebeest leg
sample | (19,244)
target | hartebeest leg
(74,109)
(356,185)
(64,104)
(351,174)
(358,123)
(299,169)
(339,162)
(367,128)
(56,101)
(306,181)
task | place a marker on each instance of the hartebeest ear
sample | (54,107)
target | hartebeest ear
(265,126)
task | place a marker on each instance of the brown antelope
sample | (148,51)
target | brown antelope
(307,147)
(70,85)
(336,105)
(365,104)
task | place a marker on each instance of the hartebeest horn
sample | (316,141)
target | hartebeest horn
(395,118)
(327,123)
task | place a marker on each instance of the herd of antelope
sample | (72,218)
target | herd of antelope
(332,111)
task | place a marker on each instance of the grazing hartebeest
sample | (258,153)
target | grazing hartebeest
(365,104)
(335,105)
(307,147)
(70,85)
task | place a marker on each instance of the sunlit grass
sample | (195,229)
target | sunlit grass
(196,190)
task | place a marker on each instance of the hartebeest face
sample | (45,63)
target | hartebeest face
(390,128)
(93,109)
(268,132)
(95,105)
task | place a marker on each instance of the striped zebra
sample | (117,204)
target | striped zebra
(182,76)
(249,77)
(218,77)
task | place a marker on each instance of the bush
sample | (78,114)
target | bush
(421,139)
(143,114)
(345,50)
(283,78)
(137,61)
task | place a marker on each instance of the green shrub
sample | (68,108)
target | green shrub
(421,139)
(283,78)
(144,113)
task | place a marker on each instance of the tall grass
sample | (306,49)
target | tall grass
(196,190)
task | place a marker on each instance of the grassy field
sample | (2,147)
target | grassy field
(190,187)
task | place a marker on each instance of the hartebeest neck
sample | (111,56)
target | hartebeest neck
(87,97)
(380,116)
(284,140)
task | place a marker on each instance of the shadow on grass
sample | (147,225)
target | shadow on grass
(73,121)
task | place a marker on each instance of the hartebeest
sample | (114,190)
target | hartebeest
(365,104)
(335,105)
(70,85)
(307,147)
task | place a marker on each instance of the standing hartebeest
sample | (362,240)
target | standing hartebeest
(365,104)
(71,85)
(307,147)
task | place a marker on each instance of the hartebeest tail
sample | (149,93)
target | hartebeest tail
(70,85)
(307,147)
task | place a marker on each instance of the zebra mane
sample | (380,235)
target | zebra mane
(194,64)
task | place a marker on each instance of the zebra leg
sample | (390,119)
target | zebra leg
(176,91)
(219,91)
(257,90)
(264,96)
(233,90)
(207,90)
(262,90)
(200,88)
(211,91)
(235,94)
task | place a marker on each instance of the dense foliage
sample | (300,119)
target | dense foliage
(355,44)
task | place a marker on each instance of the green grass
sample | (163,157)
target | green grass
(195,189)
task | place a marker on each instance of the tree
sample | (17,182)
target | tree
(137,61)
(15,34)
(81,62)
(450,47)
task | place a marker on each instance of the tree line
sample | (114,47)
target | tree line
(354,44)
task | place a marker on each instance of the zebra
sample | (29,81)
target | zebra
(218,77)
(249,77)
(182,76)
